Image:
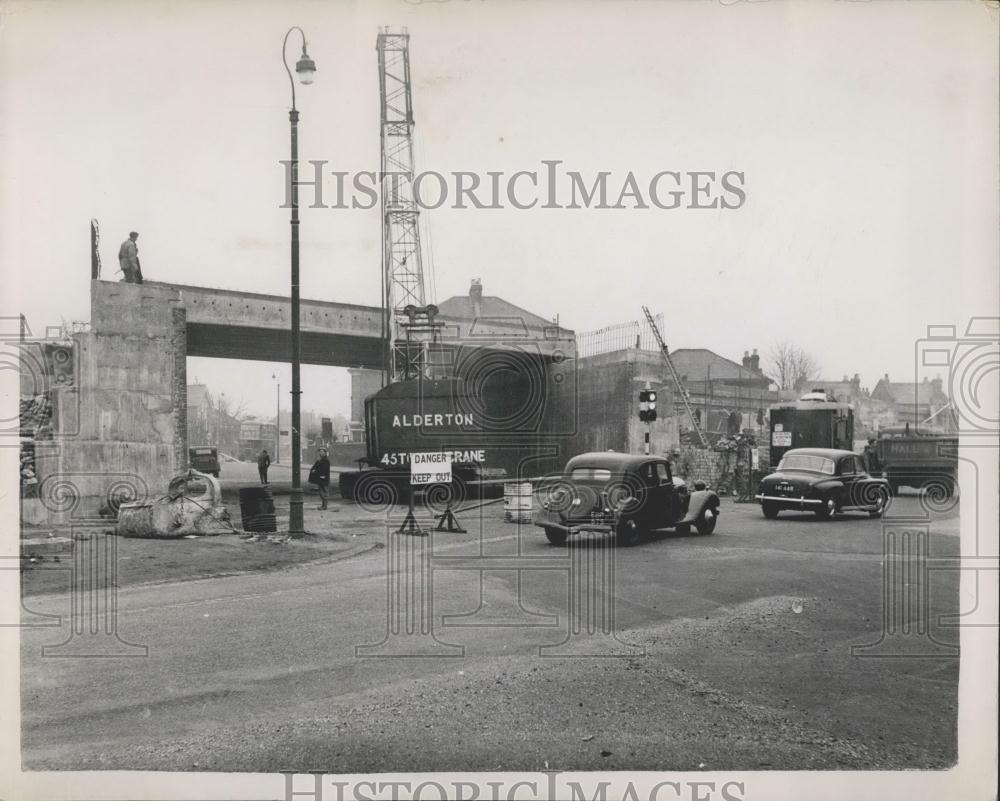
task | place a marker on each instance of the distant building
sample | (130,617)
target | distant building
(845,390)
(727,396)
(208,423)
(473,319)
(917,402)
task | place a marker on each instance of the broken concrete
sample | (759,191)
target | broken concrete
(192,505)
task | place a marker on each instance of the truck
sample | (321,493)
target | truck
(508,425)
(815,420)
(926,461)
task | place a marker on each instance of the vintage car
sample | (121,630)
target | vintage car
(204,459)
(824,481)
(628,496)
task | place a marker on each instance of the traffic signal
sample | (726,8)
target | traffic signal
(647,405)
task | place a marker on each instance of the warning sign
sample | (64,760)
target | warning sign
(430,468)
(781,438)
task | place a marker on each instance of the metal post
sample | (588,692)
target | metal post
(295,518)
(647,440)
(277,422)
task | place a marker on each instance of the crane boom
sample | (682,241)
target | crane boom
(402,262)
(676,378)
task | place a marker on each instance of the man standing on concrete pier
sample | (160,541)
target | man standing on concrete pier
(128,259)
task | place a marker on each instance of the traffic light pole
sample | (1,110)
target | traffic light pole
(647,439)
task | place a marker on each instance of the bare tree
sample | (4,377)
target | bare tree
(791,367)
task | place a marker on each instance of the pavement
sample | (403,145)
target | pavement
(731,651)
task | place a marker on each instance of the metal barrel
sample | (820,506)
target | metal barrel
(257,509)
(517,502)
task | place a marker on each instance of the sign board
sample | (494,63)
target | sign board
(779,426)
(755,459)
(781,439)
(430,468)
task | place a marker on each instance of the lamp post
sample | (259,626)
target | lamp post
(277,419)
(306,69)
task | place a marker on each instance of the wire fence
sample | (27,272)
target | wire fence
(636,335)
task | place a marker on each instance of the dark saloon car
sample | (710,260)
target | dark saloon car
(624,495)
(824,481)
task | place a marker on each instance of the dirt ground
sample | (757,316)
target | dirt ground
(336,533)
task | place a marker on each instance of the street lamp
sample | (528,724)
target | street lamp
(277,419)
(306,69)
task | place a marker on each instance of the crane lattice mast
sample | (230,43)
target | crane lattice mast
(676,378)
(403,271)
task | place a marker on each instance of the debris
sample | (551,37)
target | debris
(588,738)
(606,753)
(192,506)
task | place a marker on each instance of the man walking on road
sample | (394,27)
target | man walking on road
(128,259)
(263,462)
(319,475)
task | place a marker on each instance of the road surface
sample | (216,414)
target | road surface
(732,651)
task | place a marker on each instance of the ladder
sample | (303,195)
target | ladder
(677,379)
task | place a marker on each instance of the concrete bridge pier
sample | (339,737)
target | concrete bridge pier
(123,429)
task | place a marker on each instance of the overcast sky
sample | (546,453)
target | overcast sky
(866,132)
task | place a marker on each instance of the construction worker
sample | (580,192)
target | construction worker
(872,464)
(128,259)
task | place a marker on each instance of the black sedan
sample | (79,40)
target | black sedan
(624,495)
(824,481)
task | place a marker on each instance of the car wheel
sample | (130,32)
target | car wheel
(627,533)
(770,509)
(880,503)
(827,509)
(706,521)
(555,536)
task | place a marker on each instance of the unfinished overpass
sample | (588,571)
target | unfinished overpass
(120,413)
(229,324)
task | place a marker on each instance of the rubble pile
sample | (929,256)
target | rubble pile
(192,506)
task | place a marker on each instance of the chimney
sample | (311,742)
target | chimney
(476,294)
(755,361)
(886,379)
(746,359)
(936,384)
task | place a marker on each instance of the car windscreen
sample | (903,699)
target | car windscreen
(590,474)
(802,461)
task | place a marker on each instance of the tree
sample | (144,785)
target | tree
(792,367)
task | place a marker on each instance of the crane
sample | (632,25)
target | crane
(408,322)
(665,353)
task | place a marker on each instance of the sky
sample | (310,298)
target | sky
(866,133)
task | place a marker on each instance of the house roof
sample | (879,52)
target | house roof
(693,363)
(492,308)
(921,393)
(839,389)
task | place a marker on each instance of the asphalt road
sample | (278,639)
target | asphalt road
(234,475)
(732,651)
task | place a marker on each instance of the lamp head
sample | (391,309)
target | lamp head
(306,68)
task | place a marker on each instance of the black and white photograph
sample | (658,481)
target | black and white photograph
(499,400)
